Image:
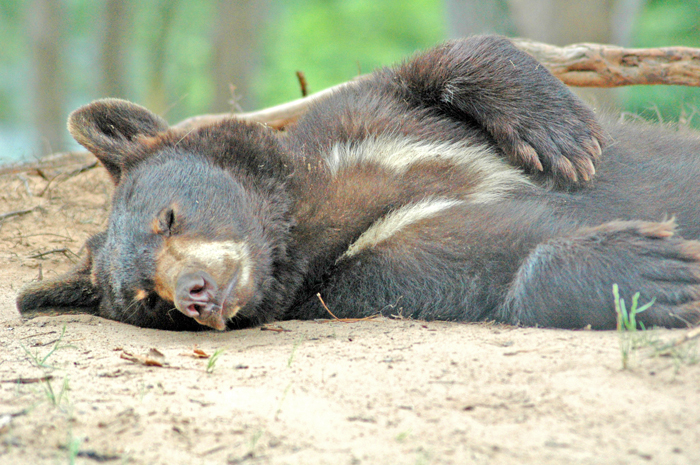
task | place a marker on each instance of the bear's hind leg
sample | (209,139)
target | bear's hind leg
(568,281)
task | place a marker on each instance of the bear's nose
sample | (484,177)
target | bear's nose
(195,294)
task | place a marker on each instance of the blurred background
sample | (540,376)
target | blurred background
(180,58)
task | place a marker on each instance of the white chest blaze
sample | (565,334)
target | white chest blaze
(383,229)
(490,177)
(493,176)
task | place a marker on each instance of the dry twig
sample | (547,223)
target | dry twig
(276,329)
(62,250)
(689,336)
(4,216)
(53,161)
(343,320)
(65,176)
(21,380)
(302,84)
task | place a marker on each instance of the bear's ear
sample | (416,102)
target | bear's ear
(114,130)
(73,292)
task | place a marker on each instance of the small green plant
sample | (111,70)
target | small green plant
(422,457)
(142,391)
(284,396)
(73,448)
(55,398)
(627,321)
(252,444)
(40,361)
(294,349)
(211,361)
(627,325)
(686,354)
(681,351)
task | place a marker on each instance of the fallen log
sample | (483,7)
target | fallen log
(595,65)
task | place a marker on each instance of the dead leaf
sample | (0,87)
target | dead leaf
(154,358)
(196,353)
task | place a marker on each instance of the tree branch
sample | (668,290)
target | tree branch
(277,117)
(581,65)
(595,65)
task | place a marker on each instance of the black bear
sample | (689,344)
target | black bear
(465,184)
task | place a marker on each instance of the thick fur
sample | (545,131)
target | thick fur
(466,184)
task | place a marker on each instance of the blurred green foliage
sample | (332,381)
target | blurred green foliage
(12,54)
(666,23)
(332,41)
(329,40)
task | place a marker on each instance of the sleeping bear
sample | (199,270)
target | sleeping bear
(465,184)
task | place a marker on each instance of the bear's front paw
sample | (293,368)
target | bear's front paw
(565,146)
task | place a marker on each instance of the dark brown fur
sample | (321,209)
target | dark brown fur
(391,196)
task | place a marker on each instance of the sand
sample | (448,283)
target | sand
(82,389)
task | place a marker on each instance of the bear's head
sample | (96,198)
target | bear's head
(198,223)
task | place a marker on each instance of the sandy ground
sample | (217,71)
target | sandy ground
(72,388)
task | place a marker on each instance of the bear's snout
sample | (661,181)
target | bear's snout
(195,294)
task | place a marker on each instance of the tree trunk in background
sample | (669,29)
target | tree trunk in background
(117,21)
(156,94)
(563,22)
(237,37)
(622,19)
(557,22)
(468,17)
(46,29)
